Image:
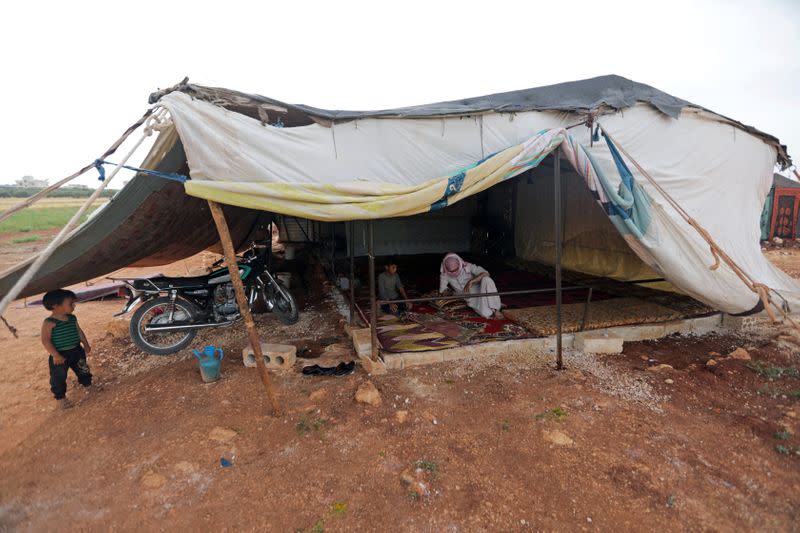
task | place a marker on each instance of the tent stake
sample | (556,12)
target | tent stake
(373,303)
(558,239)
(244,308)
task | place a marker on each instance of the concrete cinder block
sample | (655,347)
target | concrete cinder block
(276,356)
(464,352)
(551,342)
(422,358)
(362,342)
(705,324)
(741,323)
(675,326)
(598,342)
(393,361)
(643,332)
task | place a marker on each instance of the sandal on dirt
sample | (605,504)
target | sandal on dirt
(344,369)
(313,370)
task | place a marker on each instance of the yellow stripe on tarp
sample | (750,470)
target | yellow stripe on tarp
(355,200)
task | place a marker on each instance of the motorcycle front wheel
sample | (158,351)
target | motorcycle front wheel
(159,311)
(283,307)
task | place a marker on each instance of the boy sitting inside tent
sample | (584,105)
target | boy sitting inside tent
(391,288)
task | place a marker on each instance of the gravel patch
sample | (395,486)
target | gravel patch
(609,380)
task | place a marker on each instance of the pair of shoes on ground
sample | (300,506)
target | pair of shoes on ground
(342,369)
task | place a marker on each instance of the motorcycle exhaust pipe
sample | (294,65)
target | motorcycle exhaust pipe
(179,327)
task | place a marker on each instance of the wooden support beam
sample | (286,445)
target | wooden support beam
(241,299)
(373,302)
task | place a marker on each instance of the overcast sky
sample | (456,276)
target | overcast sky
(76,74)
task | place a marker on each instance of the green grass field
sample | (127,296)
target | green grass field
(38,219)
(28,238)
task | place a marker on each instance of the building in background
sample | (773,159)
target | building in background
(779,218)
(30,181)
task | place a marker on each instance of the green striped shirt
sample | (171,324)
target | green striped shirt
(65,333)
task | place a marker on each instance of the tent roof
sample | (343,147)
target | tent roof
(146,223)
(610,92)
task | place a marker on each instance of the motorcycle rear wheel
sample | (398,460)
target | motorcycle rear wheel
(162,343)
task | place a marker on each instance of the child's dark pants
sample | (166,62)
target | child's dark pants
(401,308)
(74,359)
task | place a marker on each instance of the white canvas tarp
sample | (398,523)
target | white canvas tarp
(385,167)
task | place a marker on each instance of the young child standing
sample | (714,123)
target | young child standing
(62,337)
(391,288)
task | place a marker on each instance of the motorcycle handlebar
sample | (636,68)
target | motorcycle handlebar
(255,245)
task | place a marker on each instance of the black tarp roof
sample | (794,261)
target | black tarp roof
(609,92)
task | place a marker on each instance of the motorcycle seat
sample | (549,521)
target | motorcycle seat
(165,283)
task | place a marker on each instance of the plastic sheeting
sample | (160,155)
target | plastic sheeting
(150,222)
(379,168)
(597,94)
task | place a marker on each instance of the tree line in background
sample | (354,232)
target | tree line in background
(13,191)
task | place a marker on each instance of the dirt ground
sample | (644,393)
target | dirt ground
(483,445)
(11,254)
(786,257)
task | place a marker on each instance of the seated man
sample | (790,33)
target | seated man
(391,288)
(467,278)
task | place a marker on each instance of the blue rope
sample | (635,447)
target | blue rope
(166,175)
(596,135)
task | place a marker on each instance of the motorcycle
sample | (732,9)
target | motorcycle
(172,309)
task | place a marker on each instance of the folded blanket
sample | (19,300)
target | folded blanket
(445,305)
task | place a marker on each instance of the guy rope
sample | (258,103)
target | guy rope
(152,120)
(719,255)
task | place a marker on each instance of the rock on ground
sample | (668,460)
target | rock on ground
(367,393)
(221,434)
(660,368)
(151,480)
(740,353)
(558,437)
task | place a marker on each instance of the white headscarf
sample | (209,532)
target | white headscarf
(452,265)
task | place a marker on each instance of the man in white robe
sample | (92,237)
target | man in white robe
(466,278)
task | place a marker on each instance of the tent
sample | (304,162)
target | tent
(421,165)
(780,215)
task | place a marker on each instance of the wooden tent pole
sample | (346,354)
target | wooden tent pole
(241,299)
(373,304)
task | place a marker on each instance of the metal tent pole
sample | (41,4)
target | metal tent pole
(269,248)
(351,245)
(558,242)
(333,249)
(373,303)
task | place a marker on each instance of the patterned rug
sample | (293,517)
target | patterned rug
(541,321)
(427,329)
